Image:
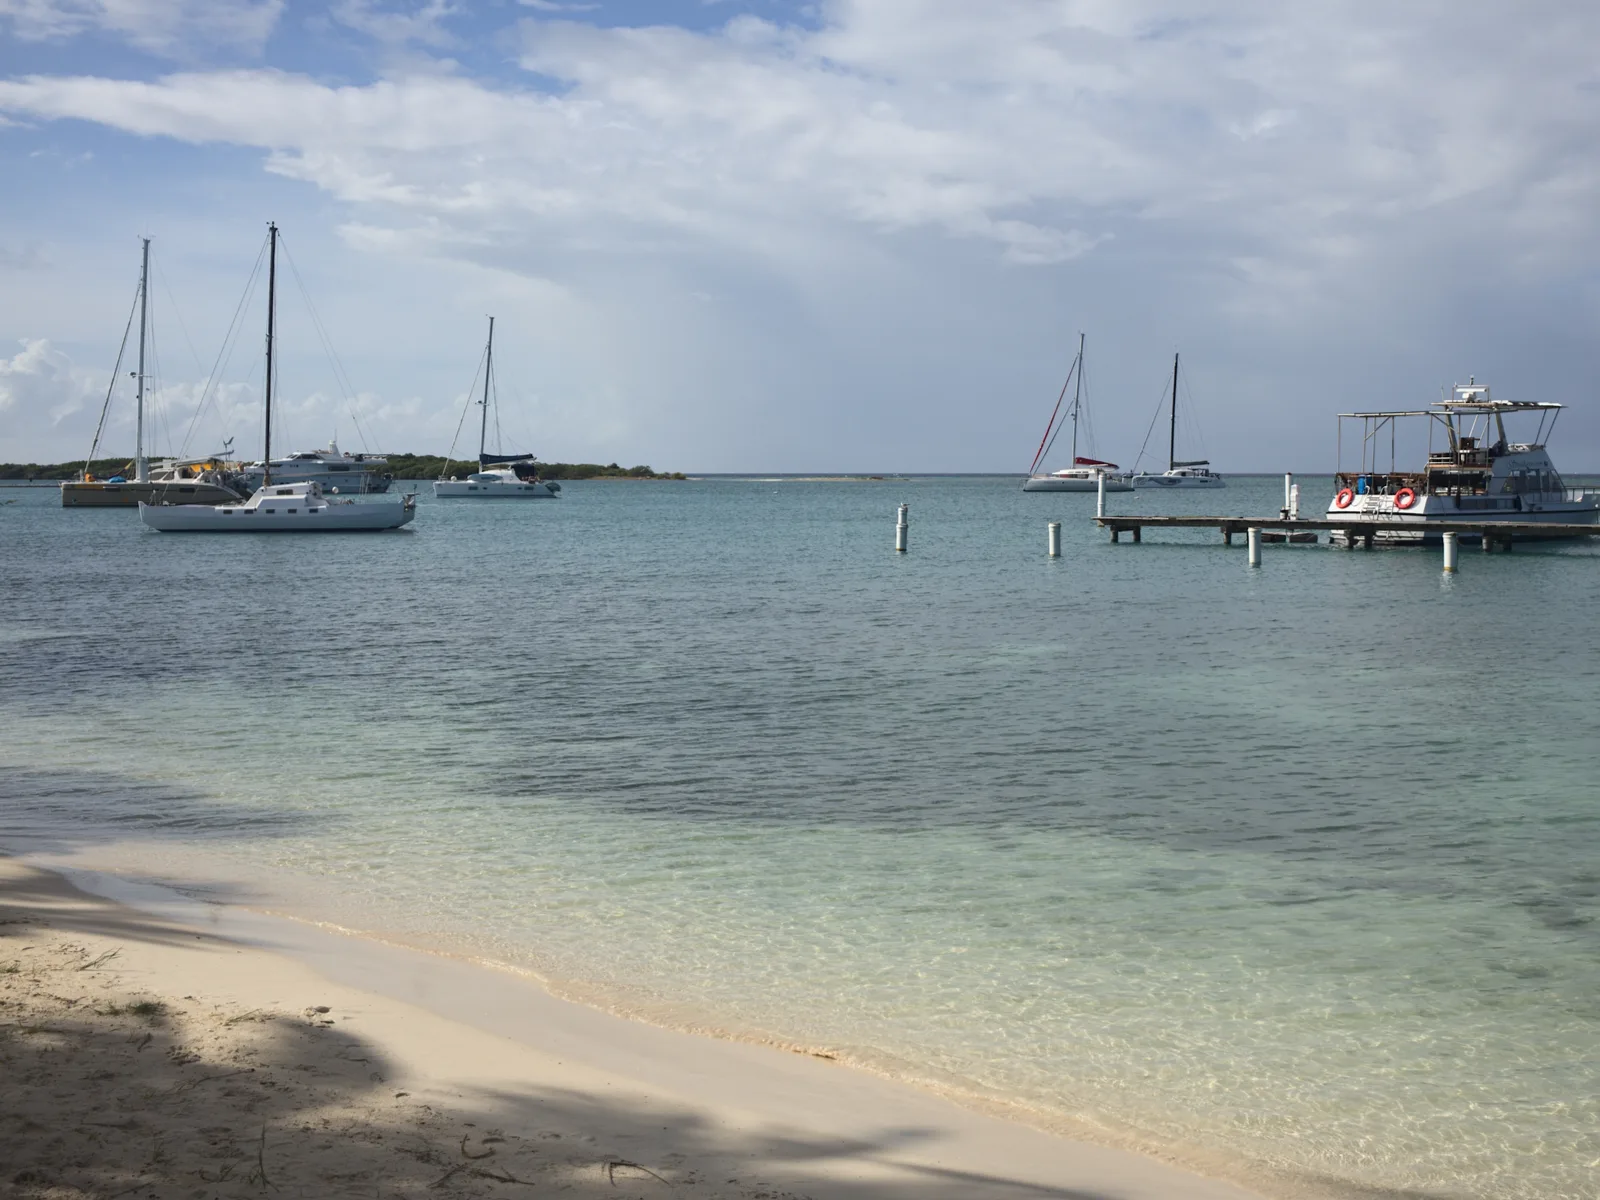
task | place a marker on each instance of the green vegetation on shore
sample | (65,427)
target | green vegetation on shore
(100,468)
(401,466)
(431,466)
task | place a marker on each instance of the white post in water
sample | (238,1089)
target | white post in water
(1100,495)
(1255,547)
(1294,502)
(1288,487)
(1055,539)
(1449,554)
(900,529)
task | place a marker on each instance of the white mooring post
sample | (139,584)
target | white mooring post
(1294,501)
(1288,488)
(900,529)
(1100,495)
(1255,547)
(1055,539)
(1449,554)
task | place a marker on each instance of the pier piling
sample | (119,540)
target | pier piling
(1100,494)
(1255,546)
(1055,539)
(900,527)
(1449,554)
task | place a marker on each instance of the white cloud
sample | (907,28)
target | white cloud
(1239,171)
(40,386)
(173,28)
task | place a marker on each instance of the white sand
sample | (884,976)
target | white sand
(160,1047)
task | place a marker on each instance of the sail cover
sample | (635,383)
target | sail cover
(489,460)
(1081,461)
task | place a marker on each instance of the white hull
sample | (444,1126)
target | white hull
(1053,483)
(294,508)
(1178,481)
(498,489)
(1390,524)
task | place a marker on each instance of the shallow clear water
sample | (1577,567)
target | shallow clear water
(1301,864)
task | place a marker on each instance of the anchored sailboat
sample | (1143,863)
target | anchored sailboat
(1085,474)
(292,508)
(500,476)
(190,481)
(1195,473)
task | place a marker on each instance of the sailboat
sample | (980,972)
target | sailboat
(1196,473)
(190,481)
(292,508)
(1085,474)
(500,476)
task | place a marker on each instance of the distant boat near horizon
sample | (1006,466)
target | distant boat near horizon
(1194,473)
(500,476)
(173,481)
(1085,474)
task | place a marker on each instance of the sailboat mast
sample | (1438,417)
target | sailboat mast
(1172,438)
(141,465)
(1077,398)
(488,365)
(272,312)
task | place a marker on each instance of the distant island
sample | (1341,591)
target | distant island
(401,466)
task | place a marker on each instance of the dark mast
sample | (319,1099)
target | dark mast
(1172,438)
(272,310)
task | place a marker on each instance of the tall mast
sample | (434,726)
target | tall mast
(272,312)
(141,465)
(488,365)
(1172,438)
(1077,397)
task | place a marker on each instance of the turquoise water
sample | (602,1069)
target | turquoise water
(1299,865)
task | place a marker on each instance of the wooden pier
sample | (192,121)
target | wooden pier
(1495,534)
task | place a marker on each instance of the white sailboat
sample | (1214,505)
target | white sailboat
(190,481)
(1085,474)
(288,508)
(500,476)
(1195,473)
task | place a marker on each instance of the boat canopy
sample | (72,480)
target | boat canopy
(489,460)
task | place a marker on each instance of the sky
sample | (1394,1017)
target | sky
(756,235)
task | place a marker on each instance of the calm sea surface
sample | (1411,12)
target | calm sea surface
(1300,865)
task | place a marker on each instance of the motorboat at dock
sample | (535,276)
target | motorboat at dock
(1479,475)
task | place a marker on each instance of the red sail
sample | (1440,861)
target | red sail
(1080,461)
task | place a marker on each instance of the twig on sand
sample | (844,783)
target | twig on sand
(95,962)
(259,1175)
(194,1083)
(445,1178)
(504,1177)
(489,1153)
(613,1163)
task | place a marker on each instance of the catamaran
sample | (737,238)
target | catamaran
(172,481)
(1195,473)
(1085,474)
(500,476)
(288,508)
(1479,474)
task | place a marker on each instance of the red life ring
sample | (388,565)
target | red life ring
(1344,499)
(1404,498)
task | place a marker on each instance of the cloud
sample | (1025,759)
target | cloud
(40,387)
(170,28)
(1240,173)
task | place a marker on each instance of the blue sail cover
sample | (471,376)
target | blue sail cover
(489,460)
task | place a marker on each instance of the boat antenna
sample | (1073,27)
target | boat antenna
(1077,398)
(141,465)
(272,310)
(488,366)
(1172,438)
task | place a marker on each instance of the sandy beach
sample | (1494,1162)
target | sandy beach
(209,1051)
